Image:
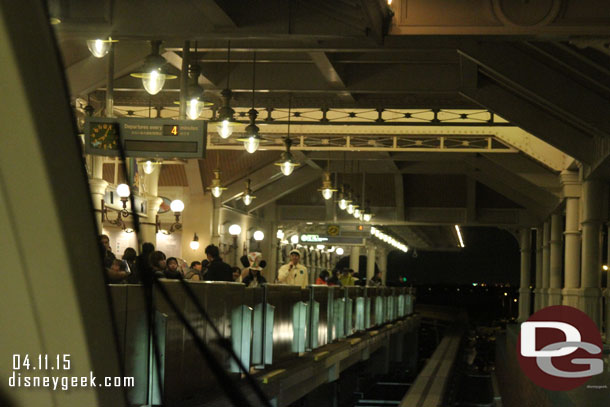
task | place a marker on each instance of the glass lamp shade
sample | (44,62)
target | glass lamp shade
(247,199)
(339,251)
(343,204)
(194,245)
(320,247)
(367,217)
(177,205)
(194,107)
(287,167)
(251,144)
(294,239)
(280,234)
(234,230)
(357,213)
(216,191)
(258,235)
(350,209)
(153,81)
(327,193)
(99,48)
(148,167)
(224,129)
(122,190)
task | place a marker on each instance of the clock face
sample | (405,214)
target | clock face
(104,136)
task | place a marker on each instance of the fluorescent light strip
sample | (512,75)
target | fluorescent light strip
(457,229)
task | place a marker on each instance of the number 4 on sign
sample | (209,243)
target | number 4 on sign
(174,130)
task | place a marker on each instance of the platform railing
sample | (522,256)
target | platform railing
(266,325)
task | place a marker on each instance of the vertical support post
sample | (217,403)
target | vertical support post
(109,110)
(546,262)
(594,203)
(538,289)
(354,258)
(383,264)
(98,186)
(370,262)
(556,268)
(151,190)
(571,189)
(524,289)
(399,197)
(607,290)
(572,254)
(184,76)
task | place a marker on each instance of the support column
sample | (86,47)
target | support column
(370,262)
(150,186)
(524,288)
(594,202)
(538,289)
(98,190)
(148,228)
(215,232)
(572,254)
(571,189)
(354,258)
(383,264)
(607,290)
(546,262)
(97,186)
(556,266)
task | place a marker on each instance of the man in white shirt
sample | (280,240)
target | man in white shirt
(294,273)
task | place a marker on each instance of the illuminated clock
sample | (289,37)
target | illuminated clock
(104,136)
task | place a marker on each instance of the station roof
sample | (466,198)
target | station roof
(524,84)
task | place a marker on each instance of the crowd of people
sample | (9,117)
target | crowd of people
(134,268)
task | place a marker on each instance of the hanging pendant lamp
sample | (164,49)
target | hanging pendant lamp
(216,186)
(252,138)
(225,121)
(327,188)
(154,71)
(287,163)
(248,197)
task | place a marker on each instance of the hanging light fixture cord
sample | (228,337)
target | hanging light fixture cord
(289,114)
(228,63)
(253,76)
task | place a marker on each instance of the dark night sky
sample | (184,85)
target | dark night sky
(491,255)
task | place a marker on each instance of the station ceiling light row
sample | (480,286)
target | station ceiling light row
(379,234)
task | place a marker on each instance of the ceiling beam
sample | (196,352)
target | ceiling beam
(575,62)
(418,216)
(284,186)
(528,169)
(538,200)
(533,119)
(91,73)
(215,13)
(176,61)
(258,179)
(304,158)
(330,74)
(538,83)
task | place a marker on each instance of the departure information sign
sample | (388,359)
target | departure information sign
(152,138)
